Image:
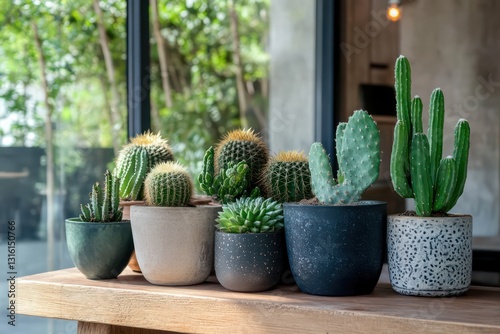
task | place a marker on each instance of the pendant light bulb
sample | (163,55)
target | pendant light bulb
(393,11)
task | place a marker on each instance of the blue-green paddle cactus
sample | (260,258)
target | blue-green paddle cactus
(358,155)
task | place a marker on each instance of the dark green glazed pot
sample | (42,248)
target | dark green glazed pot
(249,262)
(336,250)
(99,250)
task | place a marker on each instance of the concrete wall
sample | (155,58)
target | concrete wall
(454,44)
(292,74)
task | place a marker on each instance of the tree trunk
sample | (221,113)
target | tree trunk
(49,140)
(155,114)
(110,69)
(240,81)
(162,54)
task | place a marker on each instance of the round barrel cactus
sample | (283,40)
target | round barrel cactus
(243,145)
(287,177)
(168,184)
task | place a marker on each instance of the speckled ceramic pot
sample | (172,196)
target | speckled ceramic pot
(336,250)
(430,256)
(249,262)
(99,250)
(174,246)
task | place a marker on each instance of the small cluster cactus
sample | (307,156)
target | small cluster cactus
(243,145)
(168,184)
(104,204)
(417,168)
(135,161)
(287,177)
(251,215)
(358,155)
(229,183)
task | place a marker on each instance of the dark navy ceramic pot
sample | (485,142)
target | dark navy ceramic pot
(249,262)
(99,250)
(336,250)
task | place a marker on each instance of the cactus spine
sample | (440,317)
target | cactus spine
(229,184)
(434,182)
(287,177)
(358,154)
(136,159)
(104,205)
(168,184)
(243,145)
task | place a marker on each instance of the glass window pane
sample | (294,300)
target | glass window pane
(62,111)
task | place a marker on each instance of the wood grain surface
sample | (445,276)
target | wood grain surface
(130,301)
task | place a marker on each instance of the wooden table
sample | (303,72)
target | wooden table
(128,303)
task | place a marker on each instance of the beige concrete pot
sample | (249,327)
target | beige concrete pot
(174,246)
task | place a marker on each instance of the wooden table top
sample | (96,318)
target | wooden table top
(131,301)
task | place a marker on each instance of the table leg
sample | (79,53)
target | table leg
(94,328)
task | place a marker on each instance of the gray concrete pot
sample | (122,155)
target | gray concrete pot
(249,262)
(174,246)
(430,256)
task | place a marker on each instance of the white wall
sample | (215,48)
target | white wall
(454,44)
(292,74)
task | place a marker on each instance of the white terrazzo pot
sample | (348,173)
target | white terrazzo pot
(173,245)
(430,256)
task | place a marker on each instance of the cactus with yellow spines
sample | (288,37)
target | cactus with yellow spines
(287,177)
(243,145)
(418,169)
(229,183)
(136,159)
(168,184)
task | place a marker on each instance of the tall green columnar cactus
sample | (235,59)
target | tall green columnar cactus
(358,155)
(243,145)
(287,177)
(168,184)
(136,159)
(418,169)
(104,205)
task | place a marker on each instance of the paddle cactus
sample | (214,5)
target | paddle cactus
(287,177)
(358,155)
(417,168)
(229,184)
(136,159)
(243,145)
(251,215)
(104,204)
(168,184)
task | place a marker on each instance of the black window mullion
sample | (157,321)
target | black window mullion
(138,77)
(327,73)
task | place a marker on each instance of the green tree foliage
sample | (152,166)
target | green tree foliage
(200,52)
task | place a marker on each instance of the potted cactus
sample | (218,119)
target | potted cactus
(243,145)
(287,177)
(133,163)
(429,250)
(174,241)
(336,245)
(229,183)
(99,241)
(249,241)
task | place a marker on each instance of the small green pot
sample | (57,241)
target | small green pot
(99,250)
